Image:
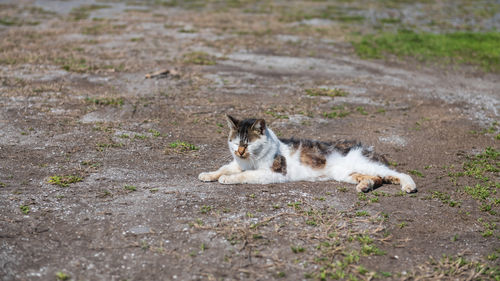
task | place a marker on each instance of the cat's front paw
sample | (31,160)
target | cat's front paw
(229,179)
(208,177)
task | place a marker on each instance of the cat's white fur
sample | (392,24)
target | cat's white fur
(256,168)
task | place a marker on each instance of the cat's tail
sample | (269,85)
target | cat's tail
(407,183)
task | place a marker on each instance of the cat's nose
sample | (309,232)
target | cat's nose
(241,150)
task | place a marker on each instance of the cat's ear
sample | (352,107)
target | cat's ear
(232,122)
(259,126)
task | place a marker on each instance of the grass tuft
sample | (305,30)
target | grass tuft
(200,58)
(64,181)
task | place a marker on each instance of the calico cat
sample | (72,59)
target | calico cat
(260,157)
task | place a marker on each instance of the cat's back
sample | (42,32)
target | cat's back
(315,153)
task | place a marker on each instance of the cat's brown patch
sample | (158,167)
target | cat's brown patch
(391,179)
(344,146)
(279,164)
(312,153)
(253,135)
(366,182)
(313,157)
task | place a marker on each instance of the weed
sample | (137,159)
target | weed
(492,257)
(102,146)
(365,239)
(296,205)
(336,114)
(153,190)
(124,136)
(445,198)
(155,133)
(362,214)
(488,229)
(182,146)
(342,188)
(2,185)
(141,137)
(297,249)
(457,268)
(386,274)
(361,110)
(130,187)
(187,30)
(277,115)
(144,245)
(64,181)
(403,224)
(25,209)
(481,192)
(62,276)
(205,209)
(324,92)
(105,101)
(311,222)
(83,12)
(371,250)
(200,58)
(416,173)
(362,196)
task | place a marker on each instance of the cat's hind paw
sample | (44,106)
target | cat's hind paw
(229,179)
(208,177)
(409,188)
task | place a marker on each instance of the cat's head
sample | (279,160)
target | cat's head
(246,137)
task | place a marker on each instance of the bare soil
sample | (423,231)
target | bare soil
(74,101)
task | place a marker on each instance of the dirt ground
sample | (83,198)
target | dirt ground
(99,165)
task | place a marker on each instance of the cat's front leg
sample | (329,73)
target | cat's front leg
(252,176)
(229,169)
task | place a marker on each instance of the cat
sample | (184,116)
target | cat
(260,157)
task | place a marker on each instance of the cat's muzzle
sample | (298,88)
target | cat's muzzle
(242,152)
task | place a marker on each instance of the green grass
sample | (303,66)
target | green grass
(130,187)
(484,168)
(416,173)
(481,49)
(445,198)
(337,112)
(277,115)
(64,181)
(183,146)
(25,209)
(83,12)
(62,276)
(313,92)
(16,22)
(200,58)
(297,249)
(105,101)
